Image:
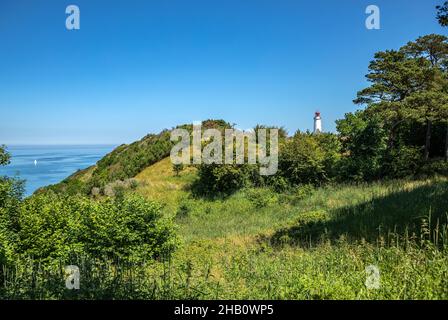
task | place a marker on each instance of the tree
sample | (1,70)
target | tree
(442,14)
(122,229)
(302,160)
(4,156)
(11,191)
(409,84)
(364,146)
(428,104)
(394,76)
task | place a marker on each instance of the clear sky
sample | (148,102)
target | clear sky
(136,67)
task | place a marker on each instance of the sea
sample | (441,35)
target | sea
(40,166)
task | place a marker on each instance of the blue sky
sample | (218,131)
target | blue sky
(136,67)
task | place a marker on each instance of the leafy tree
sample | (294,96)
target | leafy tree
(302,160)
(364,146)
(428,104)
(331,145)
(442,14)
(4,156)
(11,192)
(394,76)
(282,132)
(223,179)
(60,227)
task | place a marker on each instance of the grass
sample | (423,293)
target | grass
(311,245)
(315,246)
(159,182)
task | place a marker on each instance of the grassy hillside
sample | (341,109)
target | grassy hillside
(159,182)
(303,243)
(314,243)
(310,245)
(124,163)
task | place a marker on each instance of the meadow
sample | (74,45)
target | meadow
(318,245)
(314,243)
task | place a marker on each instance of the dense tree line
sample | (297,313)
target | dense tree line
(401,131)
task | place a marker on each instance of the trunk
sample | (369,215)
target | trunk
(391,139)
(428,139)
(446,143)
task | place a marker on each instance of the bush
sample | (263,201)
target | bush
(183,211)
(177,168)
(11,191)
(403,161)
(302,160)
(363,147)
(261,197)
(278,183)
(128,228)
(304,191)
(435,167)
(223,180)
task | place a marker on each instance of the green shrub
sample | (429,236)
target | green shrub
(126,228)
(129,228)
(278,183)
(435,167)
(261,197)
(363,146)
(302,160)
(224,179)
(303,191)
(177,168)
(403,161)
(183,210)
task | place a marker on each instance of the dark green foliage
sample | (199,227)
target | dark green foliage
(302,160)
(11,192)
(309,158)
(4,156)
(223,179)
(261,197)
(51,227)
(363,146)
(402,161)
(128,160)
(434,167)
(442,14)
(183,211)
(278,183)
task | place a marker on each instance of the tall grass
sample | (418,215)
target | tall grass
(261,245)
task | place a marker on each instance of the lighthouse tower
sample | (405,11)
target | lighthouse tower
(317,122)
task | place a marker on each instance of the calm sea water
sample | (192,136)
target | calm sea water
(54,163)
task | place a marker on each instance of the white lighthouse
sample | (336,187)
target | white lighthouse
(317,122)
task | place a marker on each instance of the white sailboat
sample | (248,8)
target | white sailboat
(35,162)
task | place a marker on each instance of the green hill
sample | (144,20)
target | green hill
(124,163)
(306,242)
